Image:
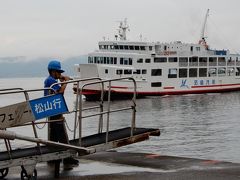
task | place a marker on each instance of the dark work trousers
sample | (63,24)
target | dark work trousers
(58,131)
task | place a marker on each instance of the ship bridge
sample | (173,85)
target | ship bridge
(173,48)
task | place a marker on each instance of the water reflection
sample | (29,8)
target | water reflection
(203,126)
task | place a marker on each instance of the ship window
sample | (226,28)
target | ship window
(140,60)
(193,72)
(231,62)
(106,71)
(212,61)
(197,48)
(111,47)
(183,73)
(127,71)
(121,47)
(230,71)
(101,60)
(203,61)
(156,72)
(191,48)
(202,72)
(98,60)
(138,71)
(156,84)
(212,72)
(104,60)
(108,60)
(144,71)
(172,73)
(121,60)
(221,61)
(221,71)
(119,71)
(130,61)
(125,47)
(193,61)
(111,60)
(115,60)
(90,59)
(150,48)
(125,61)
(160,59)
(237,71)
(142,48)
(172,59)
(116,47)
(136,47)
(131,47)
(147,60)
(165,48)
(183,61)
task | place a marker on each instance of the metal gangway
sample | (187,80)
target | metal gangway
(22,115)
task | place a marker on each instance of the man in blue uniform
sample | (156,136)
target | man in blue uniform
(58,131)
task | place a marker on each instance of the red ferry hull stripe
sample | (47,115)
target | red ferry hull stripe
(173,92)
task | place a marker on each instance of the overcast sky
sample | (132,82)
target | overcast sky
(65,28)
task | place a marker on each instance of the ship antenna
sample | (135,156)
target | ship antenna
(123,27)
(203,38)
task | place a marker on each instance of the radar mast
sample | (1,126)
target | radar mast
(123,27)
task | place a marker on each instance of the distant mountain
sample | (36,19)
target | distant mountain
(23,67)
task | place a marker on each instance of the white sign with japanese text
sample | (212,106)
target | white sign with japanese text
(15,114)
(48,106)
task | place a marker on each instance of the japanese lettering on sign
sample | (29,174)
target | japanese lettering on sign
(15,114)
(201,82)
(48,106)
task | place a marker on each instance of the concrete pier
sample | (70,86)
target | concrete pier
(123,165)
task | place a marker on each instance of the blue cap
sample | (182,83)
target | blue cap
(55,65)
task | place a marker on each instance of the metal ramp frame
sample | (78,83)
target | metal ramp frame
(27,158)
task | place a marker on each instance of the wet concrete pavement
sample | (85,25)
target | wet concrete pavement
(123,165)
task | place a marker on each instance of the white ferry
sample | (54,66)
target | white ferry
(161,68)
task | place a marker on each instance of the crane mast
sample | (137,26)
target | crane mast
(202,38)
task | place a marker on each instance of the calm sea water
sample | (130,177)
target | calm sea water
(201,126)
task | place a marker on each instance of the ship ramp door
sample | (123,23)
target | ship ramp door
(87,71)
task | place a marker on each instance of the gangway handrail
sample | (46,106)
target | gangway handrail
(8,135)
(6,141)
(11,89)
(133,107)
(80,109)
(12,136)
(20,90)
(77,97)
(25,92)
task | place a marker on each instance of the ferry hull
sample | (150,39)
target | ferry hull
(93,95)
